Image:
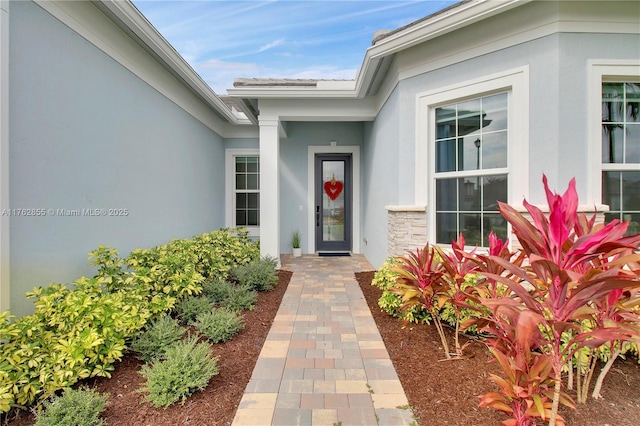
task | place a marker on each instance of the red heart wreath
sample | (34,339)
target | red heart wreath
(333,188)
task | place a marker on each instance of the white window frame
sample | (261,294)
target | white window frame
(230,186)
(602,71)
(515,82)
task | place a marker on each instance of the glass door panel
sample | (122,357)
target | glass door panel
(333,203)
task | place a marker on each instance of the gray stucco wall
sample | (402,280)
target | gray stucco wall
(293,171)
(85,133)
(557,104)
(380,161)
(574,52)
(557,121)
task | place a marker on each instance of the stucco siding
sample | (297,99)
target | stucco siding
(557,105)
(85,133)
(557,71)
(575,51)
(383,164)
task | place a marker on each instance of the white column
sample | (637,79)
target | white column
(4,155)
(269,187)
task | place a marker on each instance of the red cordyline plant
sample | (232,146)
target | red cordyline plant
(515,342)
(420,282)
(564,275)
(526,391)
(456,265)
(618,309)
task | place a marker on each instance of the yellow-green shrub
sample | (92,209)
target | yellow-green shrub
(80,330)
(385,278)
(74,333)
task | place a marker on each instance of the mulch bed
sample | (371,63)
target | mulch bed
(440,392)
(446,392)
(214,405)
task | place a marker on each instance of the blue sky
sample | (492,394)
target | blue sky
(224,39)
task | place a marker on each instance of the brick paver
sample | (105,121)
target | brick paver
(324,362)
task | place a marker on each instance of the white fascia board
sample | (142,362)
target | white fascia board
(336,85)
(129,16)
(319,109)
(440,24)
(231,131)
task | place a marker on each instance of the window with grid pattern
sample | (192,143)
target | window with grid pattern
(247,191)
(471,169)
(621,152)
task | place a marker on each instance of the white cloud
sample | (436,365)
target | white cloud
(271,45)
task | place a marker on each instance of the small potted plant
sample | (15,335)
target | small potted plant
(295,243)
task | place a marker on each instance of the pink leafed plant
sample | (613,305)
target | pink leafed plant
(565,254)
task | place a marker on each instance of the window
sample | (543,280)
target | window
(471,146)
(243,189)
(472,150)
(620,126)
(247,197)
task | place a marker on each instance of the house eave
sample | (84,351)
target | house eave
(129,18)
(440,23)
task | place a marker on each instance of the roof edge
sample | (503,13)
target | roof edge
(129,16)
(447,20)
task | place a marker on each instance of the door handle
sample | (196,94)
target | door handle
(317,215)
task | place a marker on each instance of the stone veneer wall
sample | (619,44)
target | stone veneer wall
(407,228)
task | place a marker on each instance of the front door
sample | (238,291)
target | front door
(333,200)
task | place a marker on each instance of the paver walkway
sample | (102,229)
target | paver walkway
(324,362)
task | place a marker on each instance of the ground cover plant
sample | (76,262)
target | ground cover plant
(159,336)
(187,367)
(79,407)
(219,325)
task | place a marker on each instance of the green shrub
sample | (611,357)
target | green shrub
(217,291)
(188,367)
(228,295)
(188,309)
(79,330)
(390,303)
(78,407)
(74,333)
(220,251)
(385,278)
(258,274)
(220,325)
(157,338)
(171,268)
(240,298)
